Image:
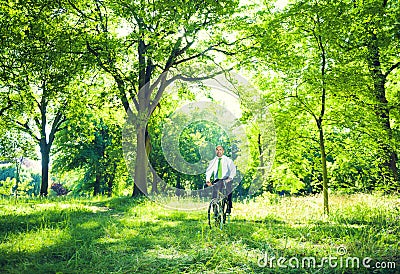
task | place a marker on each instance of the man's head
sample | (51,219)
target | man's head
(219,150)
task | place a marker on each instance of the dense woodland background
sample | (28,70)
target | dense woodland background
(73,71)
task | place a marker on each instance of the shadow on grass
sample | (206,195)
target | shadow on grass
(117,239)
(78,240)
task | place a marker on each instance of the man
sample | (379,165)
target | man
(222,167)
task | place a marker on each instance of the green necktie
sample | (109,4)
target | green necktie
(219,168)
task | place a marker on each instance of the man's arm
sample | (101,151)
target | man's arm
(209,172)
(232,169)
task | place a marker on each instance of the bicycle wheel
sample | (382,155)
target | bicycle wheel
(213,212)
(210,211)
(221,219)
(217,211)
(217,214)
(224,208)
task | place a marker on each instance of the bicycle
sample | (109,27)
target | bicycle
(218,205)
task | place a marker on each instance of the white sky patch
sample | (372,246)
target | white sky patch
(224,98)
(280,4)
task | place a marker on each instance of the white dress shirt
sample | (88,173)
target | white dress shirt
(228,168)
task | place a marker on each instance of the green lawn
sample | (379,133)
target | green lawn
(125,235)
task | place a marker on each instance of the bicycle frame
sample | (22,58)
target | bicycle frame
(218,206)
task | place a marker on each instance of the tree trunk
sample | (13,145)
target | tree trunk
(154,186)
(324,170)
(261,155)
(45,151)
(140,187)
(178,190)
(110,180)
(18,165)
(382,114)
(393,166)
(382,108)
(97,183)
(320,125)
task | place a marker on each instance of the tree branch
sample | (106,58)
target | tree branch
(25,127)
(117,77)
(392,68)
(103,20)
(80,12)
(213,47)
(195,79)
(8,106)
(163,84)
(58,120)
(306,107)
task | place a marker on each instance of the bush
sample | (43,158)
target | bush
(7,186)
(7,172)
(59,189)
(29,184)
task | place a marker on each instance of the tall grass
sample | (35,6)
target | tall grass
(125,235)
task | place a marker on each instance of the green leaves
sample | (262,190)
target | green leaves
(314,65)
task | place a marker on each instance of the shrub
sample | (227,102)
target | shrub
(59,189)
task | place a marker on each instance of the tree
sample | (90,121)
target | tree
(40,59)
(313,22)
(370,35)
(348,51)
(301,30)
(15,147)
(96,150)
(161,37)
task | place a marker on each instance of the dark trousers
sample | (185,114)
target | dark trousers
(218,186)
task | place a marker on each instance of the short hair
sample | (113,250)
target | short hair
(219,146)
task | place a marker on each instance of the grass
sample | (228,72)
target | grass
(125,235)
